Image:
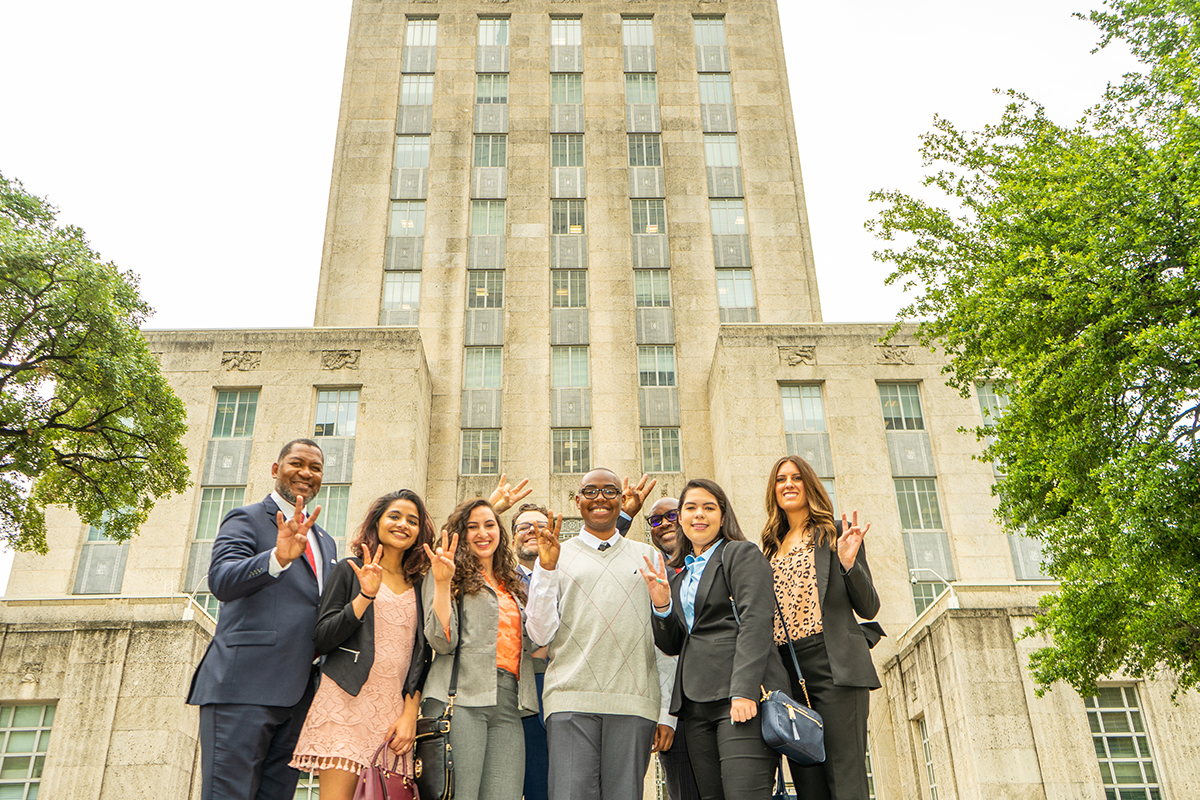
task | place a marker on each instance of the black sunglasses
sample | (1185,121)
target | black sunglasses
(657,519)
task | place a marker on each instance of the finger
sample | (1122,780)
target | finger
(280,520)
(557,527)
(429,553)
(357,571)
(312,518)
(500,484)
(864,530)
(300,507)
(625,485)
(855,522)
(662,566)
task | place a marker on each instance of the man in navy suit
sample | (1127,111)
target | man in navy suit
(258,676)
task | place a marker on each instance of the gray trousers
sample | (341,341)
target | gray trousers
(488,745)
(598,756)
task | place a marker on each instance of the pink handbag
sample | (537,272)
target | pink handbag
(378,782)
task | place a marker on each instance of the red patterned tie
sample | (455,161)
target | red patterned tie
(308,554)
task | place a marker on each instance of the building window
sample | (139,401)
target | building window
(421,33)
(407,218)
(480,452)
(715,89)
(412,151)
(416,90)
(209,603)
(215,503)
(901,407)
(803,411)
(235,415)
(26,734)
(925,593)
(649,216)
(481,368)
(656,365)
(652,288)
(491,150)
(487,217)
(1122,746)
(927,752)
(570,450)
(566,150)
(728,216)
(308,788)
(566,31)
(568,367)
(918,500)
(637,32)
(992,403)
(566,216)
(566,88)
(337,412)
(334,500)
(491,88)
(641,87)
(735,288)
(485,288)
(568,288)
(660,450)
(720,149)
(870,773)
(493,32)
(645,150)
(710,31)
(402,291)
(832,492)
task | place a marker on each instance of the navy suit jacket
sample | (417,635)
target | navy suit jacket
(262,653)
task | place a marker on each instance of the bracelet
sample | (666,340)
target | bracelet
(364,594)
(662,608)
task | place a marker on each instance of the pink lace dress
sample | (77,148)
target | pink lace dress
(343,731)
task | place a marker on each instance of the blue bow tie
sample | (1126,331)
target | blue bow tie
(689,559)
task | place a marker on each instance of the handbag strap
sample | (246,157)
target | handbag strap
(736,617)
(453,689)
(791,648)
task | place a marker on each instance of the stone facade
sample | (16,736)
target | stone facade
(650,280)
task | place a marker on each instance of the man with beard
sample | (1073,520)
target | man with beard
(258,676)
(677,769)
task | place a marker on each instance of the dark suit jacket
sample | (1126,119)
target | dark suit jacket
(720,658)
(840,595)
(348,643)
(262,652)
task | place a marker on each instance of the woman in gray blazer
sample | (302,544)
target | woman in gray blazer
(822,580)
(475,604)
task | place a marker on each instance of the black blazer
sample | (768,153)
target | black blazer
(841,594)
(348,643)
(718,658)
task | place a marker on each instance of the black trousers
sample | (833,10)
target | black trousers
(677,768)
(844,710)
(729,761)
(245,749)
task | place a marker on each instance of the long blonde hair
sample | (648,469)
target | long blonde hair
(821,527)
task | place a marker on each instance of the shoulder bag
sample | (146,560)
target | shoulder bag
(433,765)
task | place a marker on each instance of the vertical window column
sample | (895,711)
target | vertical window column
(805,432)
(1122,744)
(334,430)
(914,477)
(401,300)
(482,382)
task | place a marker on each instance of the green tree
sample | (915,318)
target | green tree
(1064,263)
(86,417)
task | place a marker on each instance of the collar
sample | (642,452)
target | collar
(593,541)
(287,508)
(692,559)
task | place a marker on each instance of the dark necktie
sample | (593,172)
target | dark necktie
(604,546)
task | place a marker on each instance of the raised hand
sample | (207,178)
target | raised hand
(655,576)
(504,496)
(850,540)
(634,497)
(547,542)
(441,561)
(293,533)
(370,574)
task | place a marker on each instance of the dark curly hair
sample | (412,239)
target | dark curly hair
(729,525)
(414,562)
(468,572)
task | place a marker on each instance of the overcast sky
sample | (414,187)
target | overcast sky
(194,143)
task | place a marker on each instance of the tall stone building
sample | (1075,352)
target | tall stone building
(566,234)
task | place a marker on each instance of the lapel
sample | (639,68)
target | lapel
(676,582)
(823,562)
(324,543)
(710,575)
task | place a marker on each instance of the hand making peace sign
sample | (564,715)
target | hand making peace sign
(547,542)
(850,540)
(441,562)
(370,575)
(293,533)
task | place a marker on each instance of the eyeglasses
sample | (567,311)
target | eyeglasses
(592,492)
(525,527)
(657,519)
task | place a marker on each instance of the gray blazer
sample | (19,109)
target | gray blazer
(479,629)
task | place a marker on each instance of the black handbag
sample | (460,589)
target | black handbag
(433,762)
(788,728)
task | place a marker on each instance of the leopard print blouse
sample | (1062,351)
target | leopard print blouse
(796,587)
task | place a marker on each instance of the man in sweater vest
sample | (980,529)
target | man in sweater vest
(605,713)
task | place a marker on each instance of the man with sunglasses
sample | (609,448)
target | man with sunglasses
(605,711)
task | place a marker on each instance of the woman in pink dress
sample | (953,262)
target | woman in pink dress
(369,629)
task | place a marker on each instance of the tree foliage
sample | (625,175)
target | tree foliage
(86,417)
(1065,264)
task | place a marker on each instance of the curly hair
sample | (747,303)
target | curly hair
(729,525)
(414,562)
(821,527)
(468,572)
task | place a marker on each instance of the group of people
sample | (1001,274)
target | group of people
(567,663)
